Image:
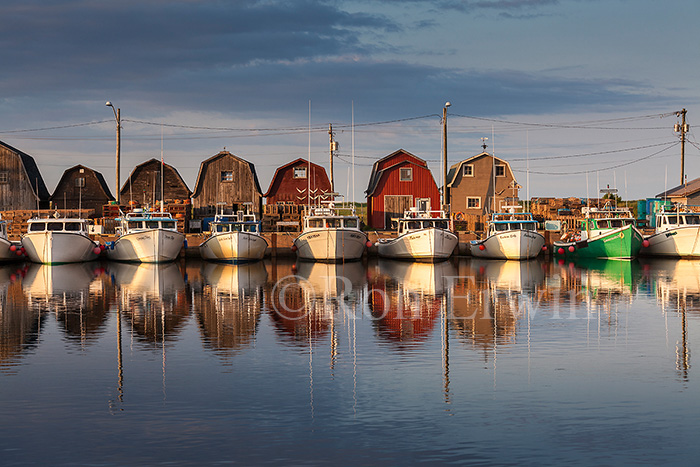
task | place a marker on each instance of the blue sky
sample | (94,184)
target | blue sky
(574,89)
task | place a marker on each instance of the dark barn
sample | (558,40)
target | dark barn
(82,188)
(291,181)
(144,184)
(21,184)
(398,182)
(226,179)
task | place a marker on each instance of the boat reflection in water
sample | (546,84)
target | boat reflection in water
(228,308)
(406,298)
(304,305)
(75,293)
(152,297)
(490,296)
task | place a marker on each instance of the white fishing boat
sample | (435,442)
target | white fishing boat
(59,240)
(510,235)
(234,238)
(146,237)
(677,234)
(330,236)
(421,235)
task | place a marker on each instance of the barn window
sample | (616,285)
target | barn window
(299,172)
(227,175)
(473,203)
(500,171)
(4,178)
(406,175)
(468,170)
(80,182)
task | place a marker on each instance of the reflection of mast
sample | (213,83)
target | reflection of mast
(682,352)
(445,351)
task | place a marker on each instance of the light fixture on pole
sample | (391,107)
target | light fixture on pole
(445,196)
(117,117)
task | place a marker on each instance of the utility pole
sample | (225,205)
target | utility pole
(117,117)
(333,148)
(445,196)
(682,129)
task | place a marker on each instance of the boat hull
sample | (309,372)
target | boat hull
(331,245)
(148,246)
(622,243)
(5,253)
(426,244)
(233,247)
(59,247)
(511,244)
(683,242)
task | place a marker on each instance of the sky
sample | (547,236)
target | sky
(574,94)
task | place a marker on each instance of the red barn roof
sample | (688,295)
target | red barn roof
(290,185)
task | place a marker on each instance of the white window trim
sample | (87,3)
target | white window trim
(226,179)
(464,170)
(478,198)
(504,170)
(410,172)
(304,169)
(4,177)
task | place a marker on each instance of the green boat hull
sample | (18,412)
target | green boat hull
(619,243)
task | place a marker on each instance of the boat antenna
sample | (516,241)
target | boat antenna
(308,171)
(493,165)
(352,105)
(162,176)
(527,177)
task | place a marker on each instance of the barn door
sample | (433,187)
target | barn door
(394,207)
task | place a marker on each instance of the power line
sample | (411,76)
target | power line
(55,127)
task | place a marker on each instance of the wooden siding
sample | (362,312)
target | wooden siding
(284,188)
(144,184)
(69,194)
(17,186)
(242,187)
(388,183)
(480,185)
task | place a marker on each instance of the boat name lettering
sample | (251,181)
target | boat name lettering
(355,236)
(670,234)
(313,236)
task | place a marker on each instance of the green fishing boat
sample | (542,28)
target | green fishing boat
(604,233)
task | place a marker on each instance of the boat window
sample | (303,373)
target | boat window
(672,220)
(441,225)
(315,223)
(151,224)
(692,220)
(73,226)
(54,226)
(249,228)
(333,223)
(414,225)
(351,223)
(221,228)
(37,227)
(501,227)
(169,225)
(603,224)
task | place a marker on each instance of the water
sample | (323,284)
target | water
(464,362)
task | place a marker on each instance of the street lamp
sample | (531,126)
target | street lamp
(445,197)
(117,117)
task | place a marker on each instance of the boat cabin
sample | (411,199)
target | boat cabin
(58,225)
(505,221)
(410,225)
(240,222)
(139,220)
(331,222)
(672,220)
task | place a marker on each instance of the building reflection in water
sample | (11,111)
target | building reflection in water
(229,305)
(19,324)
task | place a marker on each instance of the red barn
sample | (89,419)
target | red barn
(291,181)
(398,182)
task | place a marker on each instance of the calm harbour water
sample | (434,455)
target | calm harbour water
(465,362)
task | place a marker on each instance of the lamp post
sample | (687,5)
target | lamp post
(445,197)
(117,117)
